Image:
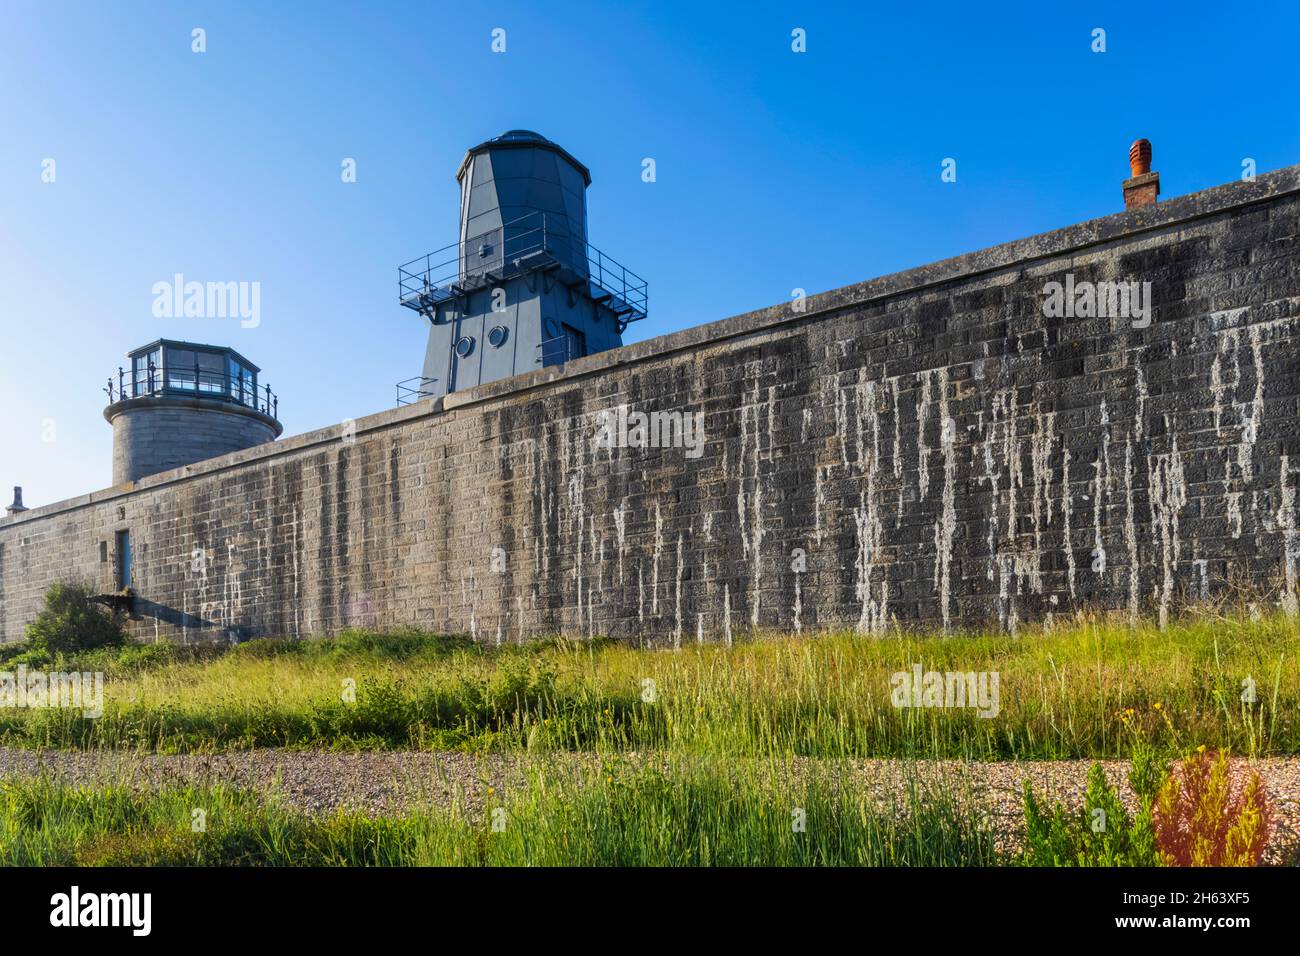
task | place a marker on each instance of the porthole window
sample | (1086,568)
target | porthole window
(465,346)
(498,336)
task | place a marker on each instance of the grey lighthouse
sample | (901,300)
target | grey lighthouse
(178,403)
(522,288)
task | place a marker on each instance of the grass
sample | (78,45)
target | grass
(687,814)
(1063,694)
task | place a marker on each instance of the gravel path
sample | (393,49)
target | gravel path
(385,781)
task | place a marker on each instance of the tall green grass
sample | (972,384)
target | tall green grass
(682,815)
(1067,692)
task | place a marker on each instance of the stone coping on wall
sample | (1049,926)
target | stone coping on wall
(1085,235)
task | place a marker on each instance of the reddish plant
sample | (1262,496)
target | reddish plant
(1209,813)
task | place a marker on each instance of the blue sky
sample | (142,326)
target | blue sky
(775,169)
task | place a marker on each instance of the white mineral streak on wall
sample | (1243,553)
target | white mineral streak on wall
(1286,523)
(620,532)
(1101,488)
(1168,494)
(708,540)
(1015,480)
(872,404)
(749,508)
(757,534)
(726,613)
(600,562)
(946,525)
(1218,390)
(699,628)
(1140,387)
(1250,432)
(898,454)
(1233,498)
(874,600)
(860,395)
(541,540)
(1202,567)
(842,421)
(1130,521)
(1007,564)
(572,511)
(992,475)
(577,519)
(297,588)
(654,566)
(771,419)
(233,593)
(798,604)
(740,478)
(677,630)
(1007,613)
(867,401)
(807,423)
(1249,414)
(640,595)
(922,450)
(1040,460)
(898,436)
(819,499)
(875,607)
(1130,530)
(1067,509)
(202,586)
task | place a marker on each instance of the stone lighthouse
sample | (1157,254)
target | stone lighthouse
(179,402)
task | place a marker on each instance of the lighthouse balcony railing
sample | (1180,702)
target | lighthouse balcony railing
(192,382)
(521,245)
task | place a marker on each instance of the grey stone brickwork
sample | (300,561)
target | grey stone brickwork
(925,449)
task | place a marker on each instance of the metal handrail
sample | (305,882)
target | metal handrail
(408,394)
(556,348)
(443,273)
(203,383)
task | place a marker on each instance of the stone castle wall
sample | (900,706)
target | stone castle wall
(927,449)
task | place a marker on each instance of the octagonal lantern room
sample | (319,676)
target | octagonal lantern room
(177,403)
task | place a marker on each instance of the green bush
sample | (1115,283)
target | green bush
(71,622)
(1102,832)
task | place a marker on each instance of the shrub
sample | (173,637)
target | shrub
(1205,815)
(1102,833)
(71,622)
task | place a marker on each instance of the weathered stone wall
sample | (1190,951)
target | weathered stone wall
(927,449)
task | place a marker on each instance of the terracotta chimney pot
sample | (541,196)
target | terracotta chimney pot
(1143,187)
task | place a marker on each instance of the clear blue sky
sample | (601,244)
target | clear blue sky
(775,170)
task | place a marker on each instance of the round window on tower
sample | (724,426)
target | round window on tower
(498,336)
(465,346)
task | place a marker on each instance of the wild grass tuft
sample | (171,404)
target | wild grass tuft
(677,815)
(1066,692)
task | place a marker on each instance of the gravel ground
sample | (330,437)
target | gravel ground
(379,782)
